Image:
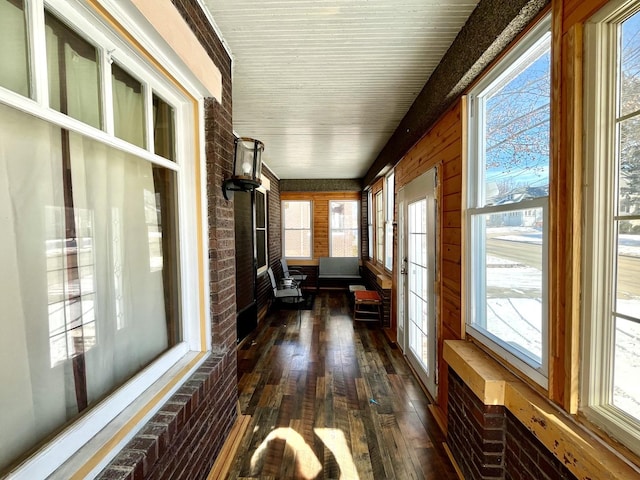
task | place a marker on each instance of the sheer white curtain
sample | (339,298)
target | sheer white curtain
(112,185)
(128,107)
(13,48)
(117,302)
(33,399)
(74,84)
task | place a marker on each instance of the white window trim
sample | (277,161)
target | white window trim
(370,232)
(475,185)
(284,229)
(342,229)
(263,270)
(377,227)
(113,416)
(389,207)
(600,107)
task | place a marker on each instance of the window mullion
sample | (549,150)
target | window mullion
(107,90)
(148,113)
(38,48)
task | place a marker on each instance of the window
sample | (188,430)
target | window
(388,225)
(344,228)
(611,310)
(91,223)
(296,225)
(380,214)
(508,185)
(15,71)
(379,225)
(262,247)
(370,223)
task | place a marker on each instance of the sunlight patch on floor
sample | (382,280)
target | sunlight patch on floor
(308,465)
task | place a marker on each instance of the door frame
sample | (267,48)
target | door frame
(410,193)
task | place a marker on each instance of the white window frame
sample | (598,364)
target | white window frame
(331,227)
(378,226)
(389,207)
(310,229)
(474,275)
(262,270)
(602,45)
(370,213)
(86,437)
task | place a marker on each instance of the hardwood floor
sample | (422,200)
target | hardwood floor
(332,399)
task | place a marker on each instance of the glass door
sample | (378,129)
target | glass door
(417,277)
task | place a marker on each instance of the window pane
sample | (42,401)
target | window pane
(128,107)
(629,170)
(297,243)
(261,229)
(516,130)
(297,214)
(370,223)
(630,63)
(261,239)
(628,281)
(163,128)
(260,210)
(344,228)
(74,80)
(344,243)
(509,290)
(14,68)
(626,388)
(388,256)
(76,256)
(379,227)
(388,261)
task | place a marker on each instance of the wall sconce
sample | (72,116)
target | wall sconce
(247,167)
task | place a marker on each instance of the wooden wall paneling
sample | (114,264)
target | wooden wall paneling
(320,227)
(320,216)
(443,147)
(575,12)
(565,201)
(440,144)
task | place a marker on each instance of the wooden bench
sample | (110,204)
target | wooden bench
(338,270)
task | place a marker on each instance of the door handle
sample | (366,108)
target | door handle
(403,268)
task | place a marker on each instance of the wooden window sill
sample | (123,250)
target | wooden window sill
(383,278)
(561,435)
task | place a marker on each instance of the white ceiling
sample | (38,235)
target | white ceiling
(324,83)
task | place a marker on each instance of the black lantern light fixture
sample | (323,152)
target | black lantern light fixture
(247,167)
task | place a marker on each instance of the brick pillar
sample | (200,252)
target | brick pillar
(476,433)
(219,150)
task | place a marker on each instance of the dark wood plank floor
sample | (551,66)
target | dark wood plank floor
(332,399)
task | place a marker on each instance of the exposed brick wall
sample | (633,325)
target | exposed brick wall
(371,283)
(476,432)
(274,239)
(489,443)
(364,225)
(526,457)
(183,439)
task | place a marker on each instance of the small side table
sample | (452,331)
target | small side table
(363,301)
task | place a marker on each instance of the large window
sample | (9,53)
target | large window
(508,185)
(91,235)
(611,392)
(262,246)
(380,214)
(343,224)
(296,227)
(388,220)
